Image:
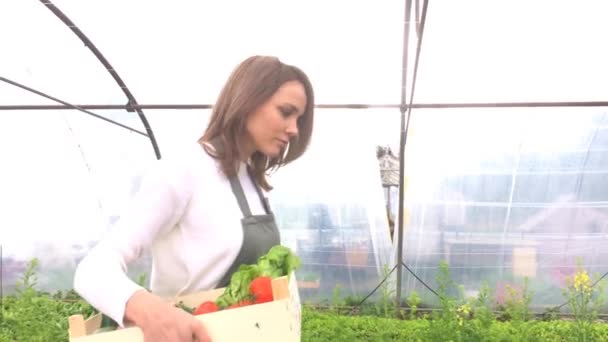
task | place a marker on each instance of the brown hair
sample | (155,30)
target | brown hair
(249,86)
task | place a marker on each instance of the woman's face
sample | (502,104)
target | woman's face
(274,123)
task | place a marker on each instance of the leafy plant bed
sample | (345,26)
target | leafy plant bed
(31,315)
(327,326)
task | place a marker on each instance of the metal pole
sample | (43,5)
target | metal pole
(19,85)
(403,109)
(89,44)
(184,106)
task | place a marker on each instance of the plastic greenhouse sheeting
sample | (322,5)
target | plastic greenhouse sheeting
(181,52)
(498,193)
(70,174)
(505,194)
(512,51)
(63,196)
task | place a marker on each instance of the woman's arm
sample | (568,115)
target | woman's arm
(101,278)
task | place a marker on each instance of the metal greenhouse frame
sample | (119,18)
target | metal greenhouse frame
(415,17)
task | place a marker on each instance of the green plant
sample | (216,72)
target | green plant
(386,307)
(517,309)
(482,306)
(585,301)
(550,314)
(413,300)
(336,302)
(30,315)
(446,323)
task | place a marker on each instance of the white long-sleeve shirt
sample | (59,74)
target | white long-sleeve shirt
(186,215)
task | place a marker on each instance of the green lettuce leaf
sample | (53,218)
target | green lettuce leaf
(278,262)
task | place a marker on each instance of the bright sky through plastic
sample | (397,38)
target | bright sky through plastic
(181,52)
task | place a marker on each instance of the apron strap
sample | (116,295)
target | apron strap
(238,192)
(263,199)
(237,189)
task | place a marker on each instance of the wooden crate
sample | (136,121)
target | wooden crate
(279,320)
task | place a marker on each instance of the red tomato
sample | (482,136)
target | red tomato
(206,307)
(261,289)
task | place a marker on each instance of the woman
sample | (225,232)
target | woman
(203,213)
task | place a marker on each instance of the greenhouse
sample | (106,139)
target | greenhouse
(460,148)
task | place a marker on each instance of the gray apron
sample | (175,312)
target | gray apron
(260,232)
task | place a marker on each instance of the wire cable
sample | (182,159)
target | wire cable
(19,85)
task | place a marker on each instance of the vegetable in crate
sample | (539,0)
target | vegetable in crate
(206,307)
(261,289)
(278,262)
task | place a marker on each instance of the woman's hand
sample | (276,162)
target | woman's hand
(161,321)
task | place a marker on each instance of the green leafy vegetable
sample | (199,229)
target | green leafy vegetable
(238,289)
(278,262)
